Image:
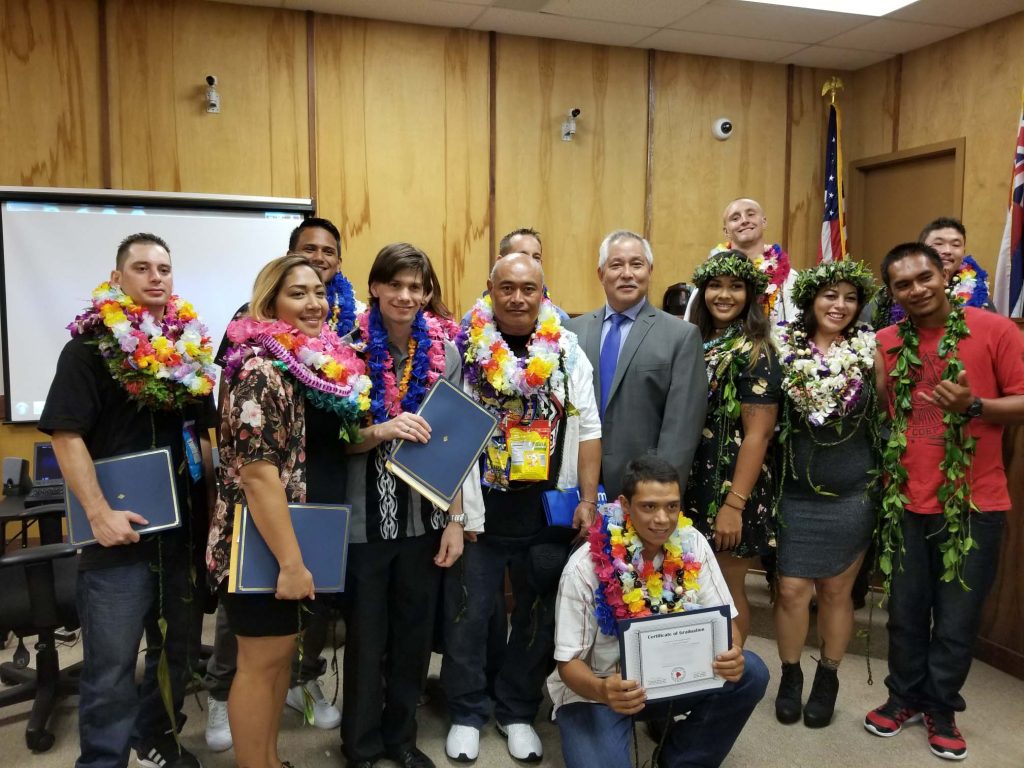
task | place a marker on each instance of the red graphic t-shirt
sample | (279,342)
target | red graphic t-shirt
(993,357)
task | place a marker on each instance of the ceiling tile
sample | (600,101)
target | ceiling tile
(958,13)
(891,36)
(643,13)
(826,57)
(796,25)
(720,45)
(431,12)
(560,27)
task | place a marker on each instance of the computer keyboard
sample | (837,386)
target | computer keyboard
(44,494)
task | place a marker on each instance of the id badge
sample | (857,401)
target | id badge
(193,455)
(529,447)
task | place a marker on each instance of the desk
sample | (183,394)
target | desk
(50,517)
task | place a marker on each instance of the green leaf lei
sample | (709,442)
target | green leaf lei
(955,493)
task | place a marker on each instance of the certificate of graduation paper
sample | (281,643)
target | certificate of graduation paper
(672,655)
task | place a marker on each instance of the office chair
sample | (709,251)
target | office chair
(38,598)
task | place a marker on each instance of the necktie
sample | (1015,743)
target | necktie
(609,357)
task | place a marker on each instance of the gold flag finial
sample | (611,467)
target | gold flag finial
(832,86)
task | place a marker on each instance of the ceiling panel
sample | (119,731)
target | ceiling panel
(720,45)
(891,36)
(825,57)
(958,13)
(560,27)
(641,12)
(766,22)
(431,12)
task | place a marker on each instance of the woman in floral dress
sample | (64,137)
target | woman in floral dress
(730,490)
(826,515)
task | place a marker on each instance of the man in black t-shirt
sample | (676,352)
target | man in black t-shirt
(128,583)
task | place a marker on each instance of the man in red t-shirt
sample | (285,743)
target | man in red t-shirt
(933,623)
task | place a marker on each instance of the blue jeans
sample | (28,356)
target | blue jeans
(933,624)
(115,606)
(534,565)
(593,734)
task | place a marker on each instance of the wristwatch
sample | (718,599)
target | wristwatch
(974,409)
(460,519)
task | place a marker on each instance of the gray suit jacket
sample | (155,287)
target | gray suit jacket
(659,395)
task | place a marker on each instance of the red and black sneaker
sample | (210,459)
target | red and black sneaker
(944,737)
(889,719)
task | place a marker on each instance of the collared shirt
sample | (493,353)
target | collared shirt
(627,324)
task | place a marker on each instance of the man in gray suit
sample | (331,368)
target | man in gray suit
(649,376)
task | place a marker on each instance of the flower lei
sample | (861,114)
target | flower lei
(424,365)
(444,328)
(732,263)
(969,286)
(342,301)
(825,386)
(488,363)
(829,273)
(629,586)
(775,264)
(955,492)
(162,366)
(329,373)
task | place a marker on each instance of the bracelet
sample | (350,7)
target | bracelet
(738,509)
(588,501)
(739,495)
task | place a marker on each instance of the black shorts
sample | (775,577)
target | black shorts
(263,615)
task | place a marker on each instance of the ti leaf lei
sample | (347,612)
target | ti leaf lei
(955,493)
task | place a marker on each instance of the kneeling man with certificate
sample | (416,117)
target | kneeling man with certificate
(644,559)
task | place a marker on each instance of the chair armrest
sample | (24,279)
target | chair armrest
(33,555)
(42,511)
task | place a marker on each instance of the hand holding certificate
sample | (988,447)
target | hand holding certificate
(674,655)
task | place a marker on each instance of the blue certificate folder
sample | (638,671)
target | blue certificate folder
(459,431)
(560,506)
(322,533)
(136,482)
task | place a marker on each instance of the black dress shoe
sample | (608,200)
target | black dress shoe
(411,758)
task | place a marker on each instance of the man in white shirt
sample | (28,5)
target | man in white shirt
(594,706)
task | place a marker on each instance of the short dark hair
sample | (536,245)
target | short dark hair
(145,238)
(314,223)
(398,257)
(505,244)
(676,298)
(943,222)
(906,250)
(649,468)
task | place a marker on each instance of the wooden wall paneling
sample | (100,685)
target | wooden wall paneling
(49,93)
(162,138)
(403,145)
(697,175)
(870,105)
(573,192)
(970,86)
(807,160)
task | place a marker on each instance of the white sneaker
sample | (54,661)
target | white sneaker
(463,743)
(325,714)
(523,742)
(218,730)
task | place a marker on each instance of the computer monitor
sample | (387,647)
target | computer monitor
(45,469)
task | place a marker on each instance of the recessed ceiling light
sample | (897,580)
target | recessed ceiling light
(860,7)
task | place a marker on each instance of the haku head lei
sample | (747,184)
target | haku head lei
(810,281)
(630,586)
(162,365)
(734,264)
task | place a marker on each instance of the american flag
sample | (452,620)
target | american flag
(1009,292)
(833,224)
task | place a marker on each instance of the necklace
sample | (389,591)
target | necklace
(629,585)
(955,491)
(825,386)
(161,365)
(969,286)
(424,365)
(329,373)
(342,301)
(489,364)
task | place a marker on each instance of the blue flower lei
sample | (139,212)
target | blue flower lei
(342,302)
(603,612)
(378,358)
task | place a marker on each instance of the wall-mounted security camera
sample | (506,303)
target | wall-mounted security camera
(569,126)
(722,128)
(212,97)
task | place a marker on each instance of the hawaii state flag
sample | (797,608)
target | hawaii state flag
(1009,279)
(833,224)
